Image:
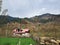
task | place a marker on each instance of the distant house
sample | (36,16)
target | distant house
(21,32)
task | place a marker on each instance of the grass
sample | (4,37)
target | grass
(27,41)
(15,41)
(8,41)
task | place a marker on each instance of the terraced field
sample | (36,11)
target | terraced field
(17,41)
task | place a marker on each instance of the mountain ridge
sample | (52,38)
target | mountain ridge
(44,18)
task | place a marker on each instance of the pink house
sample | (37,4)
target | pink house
(21,32)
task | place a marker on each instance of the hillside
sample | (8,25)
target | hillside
(42,25)
(45,18)
(9,19)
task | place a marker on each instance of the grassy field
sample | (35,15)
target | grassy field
(17,41)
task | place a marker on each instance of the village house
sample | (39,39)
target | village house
(21,32)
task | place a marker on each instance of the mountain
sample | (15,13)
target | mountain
(9,19)
(44,18)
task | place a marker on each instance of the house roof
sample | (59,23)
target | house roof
(23,31)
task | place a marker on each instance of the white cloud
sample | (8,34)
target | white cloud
(38,1)
(44,10)
(29,8)
(53,0)
(47,10)
(17,4)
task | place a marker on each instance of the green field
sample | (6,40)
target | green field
(17,41)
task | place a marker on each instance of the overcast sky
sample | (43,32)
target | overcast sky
(29,8)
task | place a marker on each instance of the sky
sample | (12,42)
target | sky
(30,8)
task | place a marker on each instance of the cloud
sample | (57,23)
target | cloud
(29,8)
(53,0)
(47,10)
(18,3)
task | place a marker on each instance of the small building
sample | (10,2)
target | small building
(21,32)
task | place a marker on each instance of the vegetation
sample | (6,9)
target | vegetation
(8,41)
(16,41)
(43,25)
